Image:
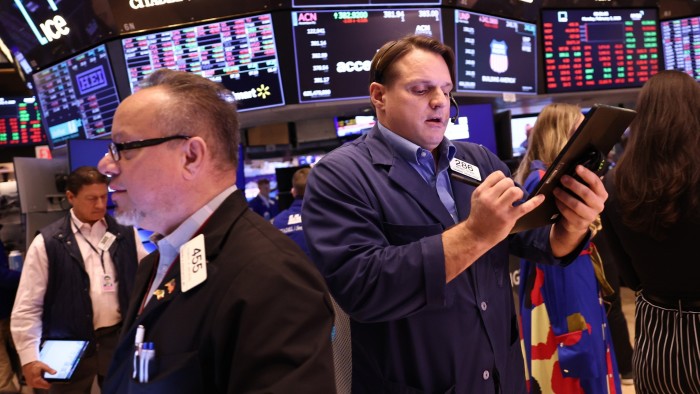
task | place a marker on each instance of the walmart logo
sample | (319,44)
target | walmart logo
(263,91)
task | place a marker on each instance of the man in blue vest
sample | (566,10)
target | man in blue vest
(289,220)
(76,280)
(263,204)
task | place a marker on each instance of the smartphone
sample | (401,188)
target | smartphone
(63,355)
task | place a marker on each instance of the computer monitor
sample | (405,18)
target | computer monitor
(241,54)
(681,45)
(475,124)
(353,126)
(333,49)
(495,54)
(520,126)
(78,97)
(20,122)
(601,48)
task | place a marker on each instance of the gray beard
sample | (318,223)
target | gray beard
(129,218)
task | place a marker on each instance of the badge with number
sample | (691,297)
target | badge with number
(193,263)
(106,241)
(465,169)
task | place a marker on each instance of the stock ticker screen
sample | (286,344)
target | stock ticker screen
(78,97)
(495,54)
(592,49)
(353,3)
(681,44)
(331,64)
(240,54)
(20,122)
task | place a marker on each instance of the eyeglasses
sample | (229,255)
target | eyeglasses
(115,148)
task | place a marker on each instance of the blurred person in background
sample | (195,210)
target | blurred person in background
(568,346)
(652,225)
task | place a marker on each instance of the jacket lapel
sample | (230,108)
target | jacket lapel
(405,176)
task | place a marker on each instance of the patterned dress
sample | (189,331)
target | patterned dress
(567,343)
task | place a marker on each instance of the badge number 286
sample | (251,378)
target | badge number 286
(193,263)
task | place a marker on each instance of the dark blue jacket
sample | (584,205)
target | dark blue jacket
(259,207)
(67,305)
(374,226)
(289,222)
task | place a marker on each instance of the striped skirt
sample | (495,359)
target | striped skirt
(667,350)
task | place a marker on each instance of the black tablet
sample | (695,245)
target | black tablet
(63,355)
(589,146)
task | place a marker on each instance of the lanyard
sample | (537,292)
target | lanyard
(100,253)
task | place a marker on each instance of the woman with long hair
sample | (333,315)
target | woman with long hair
(652,222)
(568,346)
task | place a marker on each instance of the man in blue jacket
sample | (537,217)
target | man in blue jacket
(289,220)
(420,263)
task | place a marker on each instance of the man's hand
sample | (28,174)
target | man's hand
(576,214)
(33,374)
(490,220)
(492,213)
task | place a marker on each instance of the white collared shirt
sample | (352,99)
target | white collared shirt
(26,320)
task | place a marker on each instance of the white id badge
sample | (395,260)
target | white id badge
(106,241)
(193,263)
(108,284)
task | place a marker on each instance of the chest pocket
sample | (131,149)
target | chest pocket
(400,234)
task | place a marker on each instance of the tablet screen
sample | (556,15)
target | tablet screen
(63,356)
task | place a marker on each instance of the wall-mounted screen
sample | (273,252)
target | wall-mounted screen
(475,124)
(20,122)
(359,3)
(593,49)
(240,54)
(520,126)
(495,54)
(349,126)
(681,45)
(45,31)
(334,48)
(78,97)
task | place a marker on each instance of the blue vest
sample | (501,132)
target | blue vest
(67,305)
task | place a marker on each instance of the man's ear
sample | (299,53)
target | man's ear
(195,151)
(376,95)
(70,197)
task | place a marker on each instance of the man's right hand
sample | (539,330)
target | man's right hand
(33,374)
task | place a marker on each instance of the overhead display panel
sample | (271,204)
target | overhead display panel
(133,16)
(495,54)
(47,31)
(334,48)
(78,97)
(20,122)
(593,49)
(240,54)
(361,3)
(681,45)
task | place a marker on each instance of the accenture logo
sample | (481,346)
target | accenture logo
(353,66)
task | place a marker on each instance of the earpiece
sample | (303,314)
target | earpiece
(454,119)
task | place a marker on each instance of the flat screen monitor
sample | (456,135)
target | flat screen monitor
(86,152)
(239,53)
(681,45)
(593,49)
(46,31)
(333,49)
(353,126)
(20,122)
(475,124)
(362,3)
(520,126)
(495,54)
(78,97)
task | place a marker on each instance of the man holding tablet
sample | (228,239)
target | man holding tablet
(75,284)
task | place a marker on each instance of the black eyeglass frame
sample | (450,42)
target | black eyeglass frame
(115,148)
